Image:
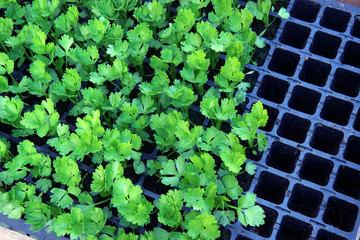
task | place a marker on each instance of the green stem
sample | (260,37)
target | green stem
(71,100)
(82,181)
(218,124)
(173,72)
(106,200)
(230,95)
(251,142)
(115,85)
(168,12)
(200,88)
(231,206)
(27,55)
(12,78)
(4,47)
(185,111)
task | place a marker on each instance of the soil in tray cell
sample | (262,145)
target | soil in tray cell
(325,45)
(304,99)
(225,233)
(326,139)
(295,35)
(316,169)
(352,150)
(340,214)
(279,4)
(351,54)
(260,55)
(282,157)
(273,89)
(346,82)
(130,173)
(305,200)
(325,235)
(245,181)
(294,229)
(306,10)
(154,184)
(272,113)
(336,110)
(355,30)
(315,72)
(196,117)
(348,182)
(335,19)
(284,62)
(271,187)
(270,33)
(294,128)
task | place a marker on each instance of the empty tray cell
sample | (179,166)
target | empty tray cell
(273,89)
(270,220)
(326,139)
(325,235)
(294,128)
(315,72)
(294,229)
(346,82)
(272,113)
(294,35)
(306,10)
(325,45)
(340,214)
(284,62)
(355,30)
(351,54)
(335,19)
(282,157)
(316,169)
(336,110)
(348,182)
(271,187)
(357,121)
(352,150)
(304,99)
(305,200)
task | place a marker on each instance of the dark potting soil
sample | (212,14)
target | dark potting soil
(245,180)
(260,55)
(38,141)
(250,155)
(6,128)
(148,147)
(196,117)
(240,108)
(129,172)
(270,33)
(153,183)
(225,233)
(250,78)
(279,4)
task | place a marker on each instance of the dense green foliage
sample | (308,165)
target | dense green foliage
(128,71)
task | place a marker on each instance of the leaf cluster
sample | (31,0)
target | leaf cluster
(126,74)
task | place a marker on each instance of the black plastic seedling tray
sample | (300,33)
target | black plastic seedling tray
(308,78)
(308,181)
